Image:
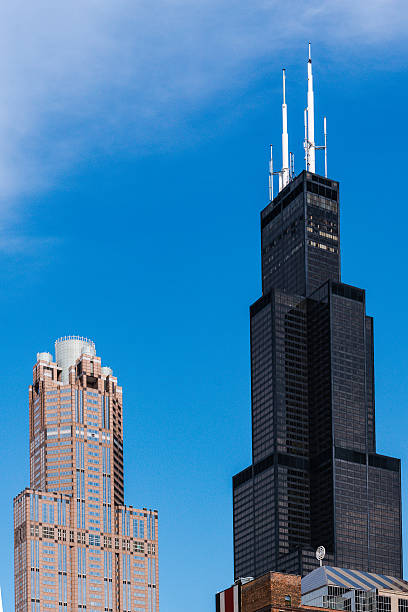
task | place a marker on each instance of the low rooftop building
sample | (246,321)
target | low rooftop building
(354,591)
(272,591)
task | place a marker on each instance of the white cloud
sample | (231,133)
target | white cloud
(86,75)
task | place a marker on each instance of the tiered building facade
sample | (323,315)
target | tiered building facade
(315,477)
(77,546)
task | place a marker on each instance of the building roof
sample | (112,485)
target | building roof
(352,579)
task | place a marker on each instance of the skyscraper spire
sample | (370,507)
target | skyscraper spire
(310,154)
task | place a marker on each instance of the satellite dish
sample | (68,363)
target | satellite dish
(320,554)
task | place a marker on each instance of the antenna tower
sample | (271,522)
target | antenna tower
(309,140)
(309,119)
(284,176)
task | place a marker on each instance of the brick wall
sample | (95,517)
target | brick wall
(270,590)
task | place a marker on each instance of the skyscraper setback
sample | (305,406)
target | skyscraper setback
(77,546)
(315,477)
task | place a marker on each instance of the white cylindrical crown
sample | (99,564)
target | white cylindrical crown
(68,349)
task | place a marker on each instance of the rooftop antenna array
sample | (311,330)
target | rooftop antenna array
(287,173)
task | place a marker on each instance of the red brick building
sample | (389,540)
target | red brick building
(271,592)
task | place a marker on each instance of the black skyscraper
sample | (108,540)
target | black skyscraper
(315,477)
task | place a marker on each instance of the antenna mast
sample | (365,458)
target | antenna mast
(309,143)
(310,116)
(271,177)
(284,176)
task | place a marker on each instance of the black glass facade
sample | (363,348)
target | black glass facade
(315,477)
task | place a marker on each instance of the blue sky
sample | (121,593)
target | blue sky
(133,165)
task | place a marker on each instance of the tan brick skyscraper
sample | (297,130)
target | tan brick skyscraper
(77,547)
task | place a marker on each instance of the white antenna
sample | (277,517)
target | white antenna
(284,178)
(271,177)
(310,115)
(320,554)
(309,142)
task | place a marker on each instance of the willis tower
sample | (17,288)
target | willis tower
(315,477)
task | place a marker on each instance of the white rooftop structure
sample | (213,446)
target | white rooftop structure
(68,349)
